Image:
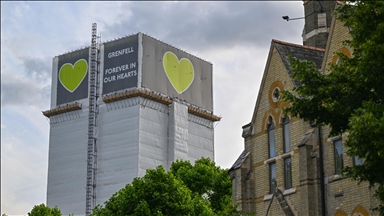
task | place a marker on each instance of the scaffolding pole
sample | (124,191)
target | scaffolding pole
(93,108)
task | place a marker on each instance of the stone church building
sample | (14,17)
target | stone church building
(289,167)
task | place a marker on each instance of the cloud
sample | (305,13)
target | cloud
(207,25)
(37,68)
(19,90)
(26,79)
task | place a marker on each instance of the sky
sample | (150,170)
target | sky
(234,36)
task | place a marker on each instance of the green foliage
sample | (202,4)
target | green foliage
(200,189)
(157,193)
(42,210)
(351,97)
(207,180)
(366,141)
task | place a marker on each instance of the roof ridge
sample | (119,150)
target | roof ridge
(298,45)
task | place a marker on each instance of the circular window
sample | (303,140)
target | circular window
(276,94)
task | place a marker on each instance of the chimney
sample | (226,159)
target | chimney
(318,17)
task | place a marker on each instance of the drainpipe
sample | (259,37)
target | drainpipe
(322,183)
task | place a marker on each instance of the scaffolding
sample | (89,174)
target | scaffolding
(93,109)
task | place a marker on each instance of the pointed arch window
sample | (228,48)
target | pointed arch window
(338,155)
(271,138)
(286,135)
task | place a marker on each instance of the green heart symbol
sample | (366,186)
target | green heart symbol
(180,73)
(71,76)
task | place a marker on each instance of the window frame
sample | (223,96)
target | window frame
(286,123)
(271,129)
(288,181)
(272,183)
(336,157)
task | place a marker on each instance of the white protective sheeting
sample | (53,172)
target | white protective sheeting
(153,136)
(117,147)
(75,205)
(177,132)
(132,135)
(67,163)
(200,139)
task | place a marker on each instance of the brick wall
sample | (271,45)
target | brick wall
(343,195)
(257,144)
(339,34)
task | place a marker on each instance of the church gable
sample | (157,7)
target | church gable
(271,137)
(338,34)
(276,78)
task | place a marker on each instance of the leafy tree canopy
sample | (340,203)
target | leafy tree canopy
(350,97)
(200,189)
(42,210)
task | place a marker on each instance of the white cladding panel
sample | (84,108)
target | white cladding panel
(121,126)
(69,197)
(153,137)
(103,193)
(62,176)
(200,141)
(67,149)
(196,153)
(58,187)
(117,148)
(200,130)
(177,133)
(78,207)
(132,135)
(67,163)
(118,139)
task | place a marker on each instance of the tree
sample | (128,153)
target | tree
(206,179)
(350,98)
(42,210)
(200,189)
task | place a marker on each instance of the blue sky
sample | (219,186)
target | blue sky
(234,36)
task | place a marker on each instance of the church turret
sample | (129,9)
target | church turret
(318,17)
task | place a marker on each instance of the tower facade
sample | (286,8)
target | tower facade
(153,105)
(318,18)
